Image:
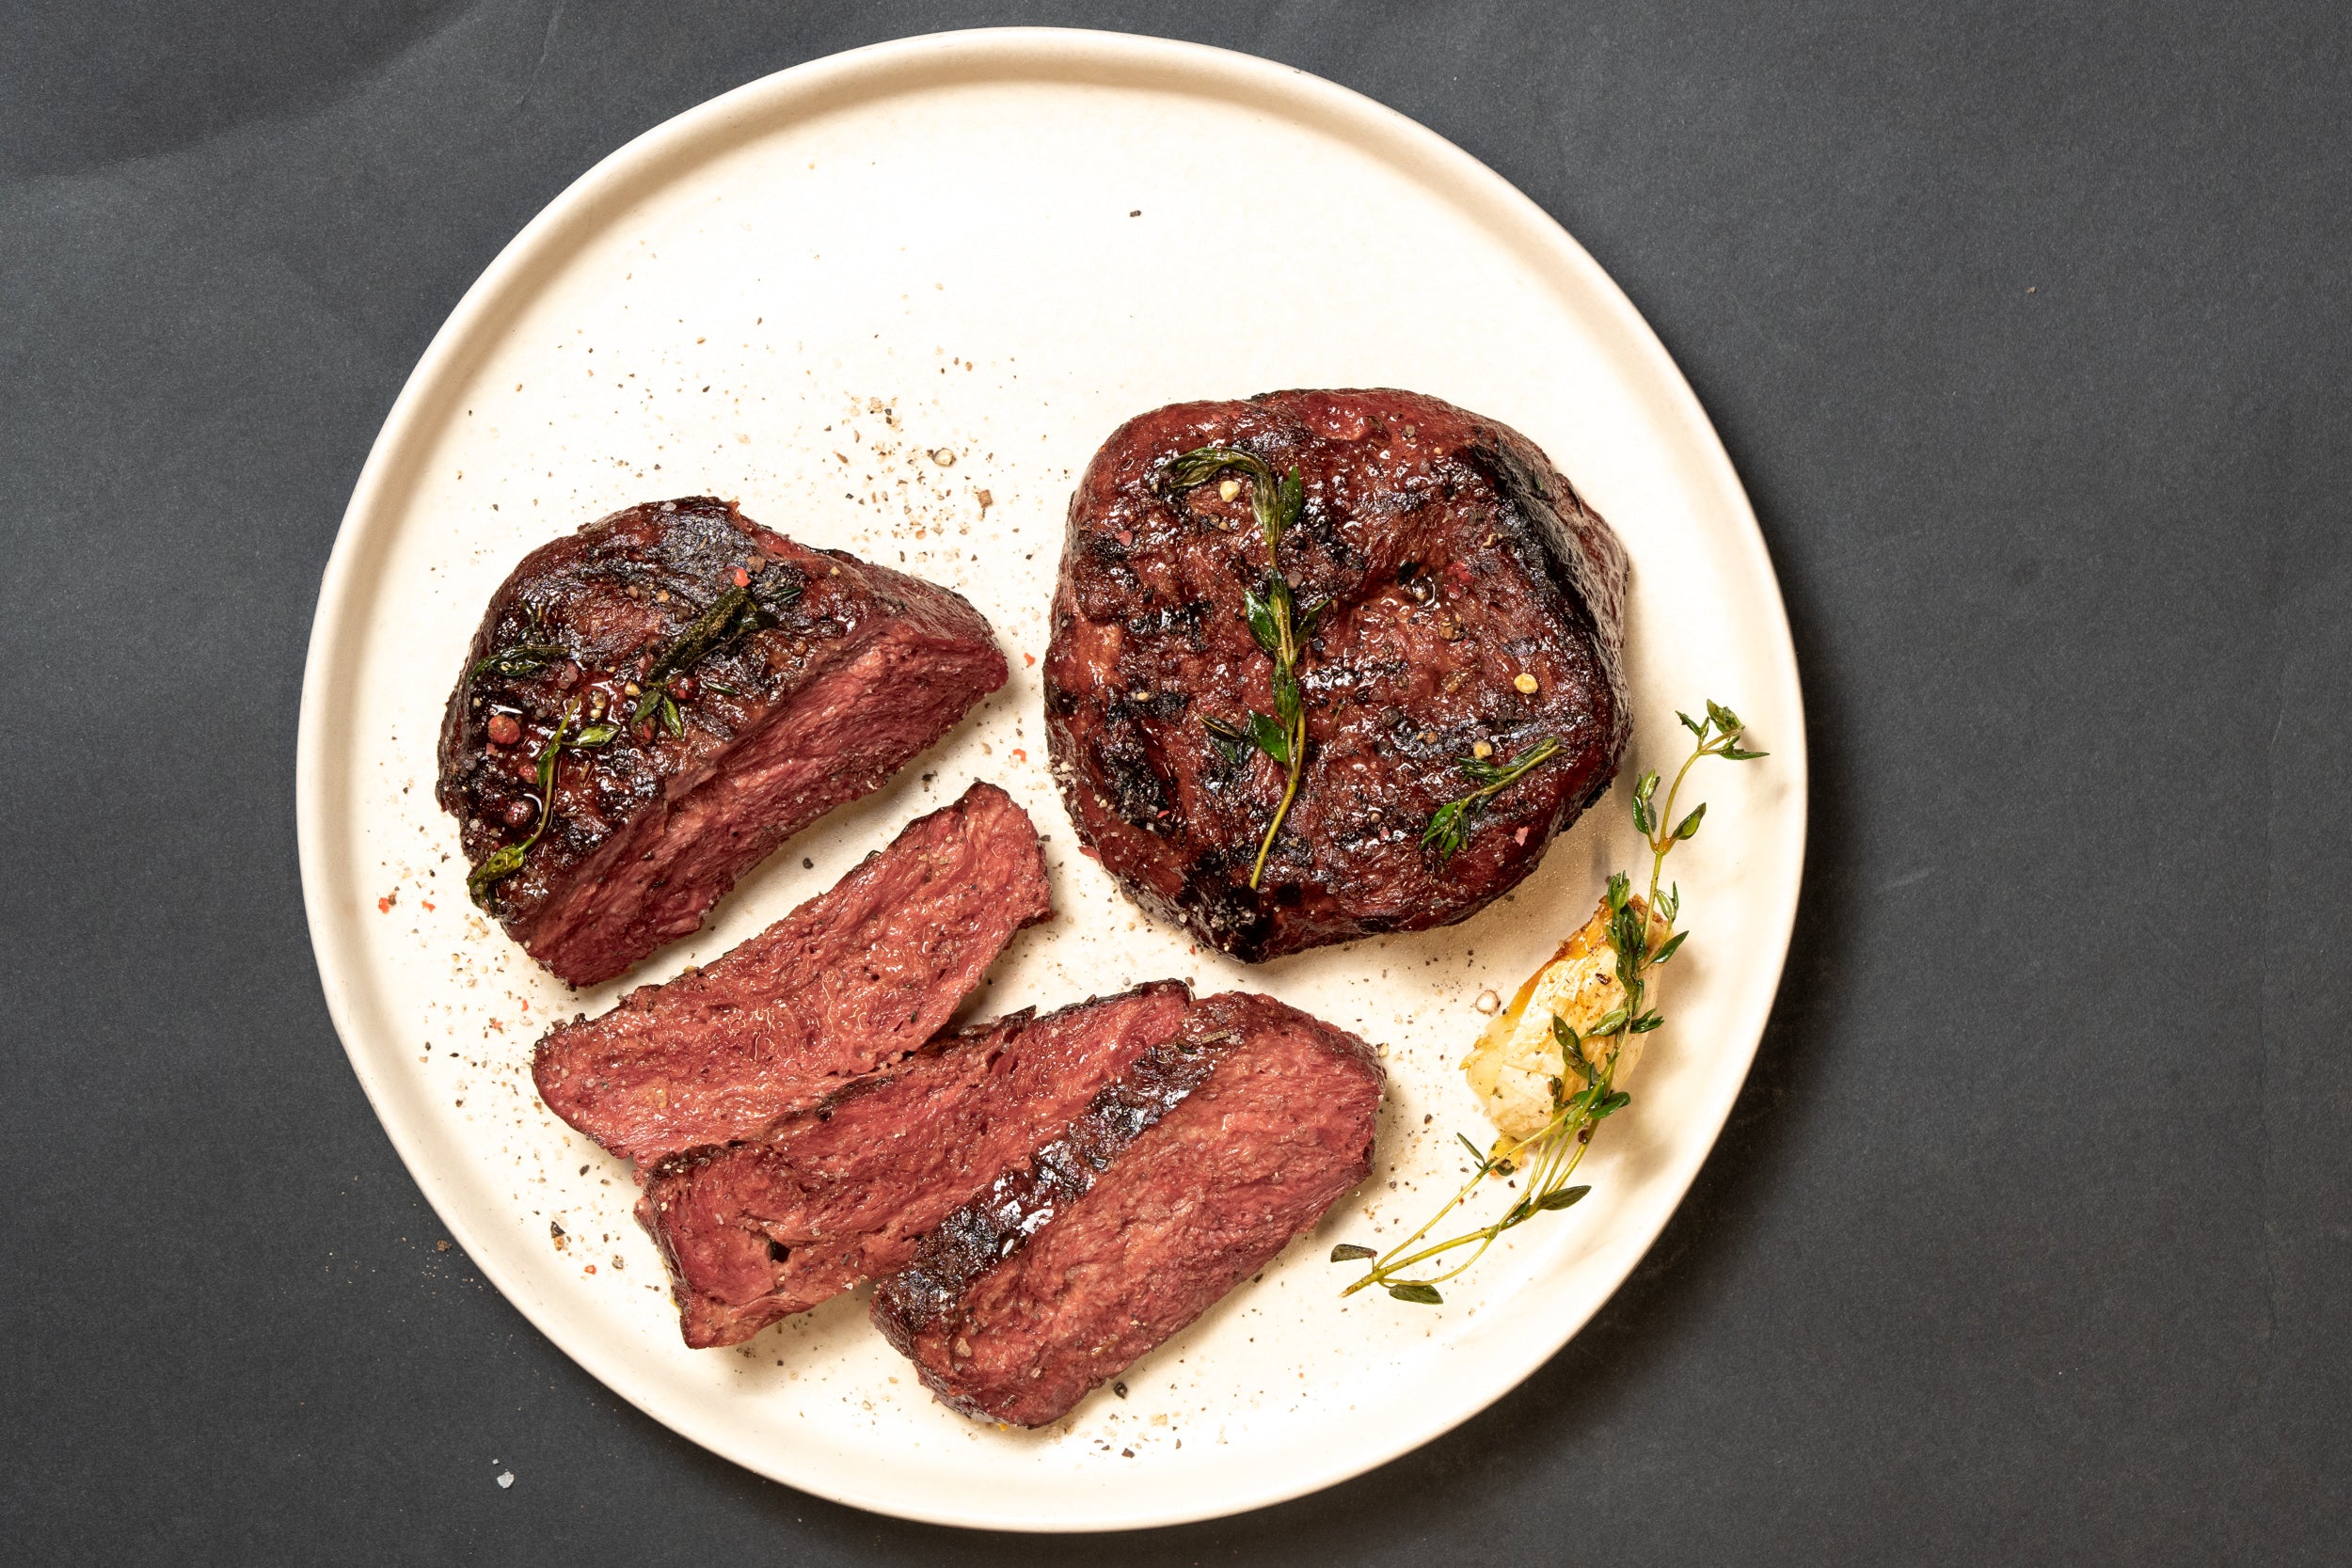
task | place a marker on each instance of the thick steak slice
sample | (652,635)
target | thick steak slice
(1208,1155)
(839,1195)
(842,987)
(1475,612)
(797,680)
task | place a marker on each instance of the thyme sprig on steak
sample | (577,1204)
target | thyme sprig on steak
(750,606)
(508,859)
(1277,621)
(523,658)
(1451,825)
(1588,1060)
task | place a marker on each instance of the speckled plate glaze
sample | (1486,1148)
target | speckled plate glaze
(892,301)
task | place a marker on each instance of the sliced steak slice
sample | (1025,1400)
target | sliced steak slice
(1473,617)
(844,985)
(698,688)
(839,1195)
(1208,1155)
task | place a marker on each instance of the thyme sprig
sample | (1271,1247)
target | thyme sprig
(508,859)
(1277,620)
(1451,825)
(732,614)
(1551,1155)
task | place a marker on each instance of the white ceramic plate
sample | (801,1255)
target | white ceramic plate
(893,300)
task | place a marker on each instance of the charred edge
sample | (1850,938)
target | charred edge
(1131,784)
(1186,620)
(645,1211)
(1528,522)
(1021,1203)
(1226,910)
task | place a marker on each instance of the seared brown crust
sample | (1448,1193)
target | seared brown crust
(1456,560)
(1210,1153)
(858,669)
(839,1194)
(844,985)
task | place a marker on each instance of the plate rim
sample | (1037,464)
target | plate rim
(804,90)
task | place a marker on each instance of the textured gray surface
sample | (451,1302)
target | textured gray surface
(2030,1239)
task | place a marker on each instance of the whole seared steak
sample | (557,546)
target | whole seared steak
(1185,1176)
(839,1194)
(844,986)
(655,703)
(1460,609)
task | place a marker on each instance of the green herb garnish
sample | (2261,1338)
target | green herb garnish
(523,658)
(1552,1153)
(731,615)
(508,859)
(1451,825)
(1277,621)
(1231,742)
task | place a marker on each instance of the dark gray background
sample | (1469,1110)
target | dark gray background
(2029,1239)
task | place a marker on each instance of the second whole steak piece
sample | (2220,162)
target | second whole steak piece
(655,703)
(842,988)
(1207,1155)
(1455,623)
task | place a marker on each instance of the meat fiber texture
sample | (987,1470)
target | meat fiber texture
(845,986)
(836,676)
(1474,600)
(834,1197)
(1207,1156)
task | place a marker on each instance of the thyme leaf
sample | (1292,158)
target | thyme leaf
(1271,736)
(1644,818)
(1552,1153)
(1260,615)
(1231,742)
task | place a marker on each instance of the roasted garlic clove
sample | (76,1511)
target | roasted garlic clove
(1517,1069)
